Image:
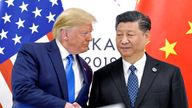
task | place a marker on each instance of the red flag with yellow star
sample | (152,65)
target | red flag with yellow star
(171,34)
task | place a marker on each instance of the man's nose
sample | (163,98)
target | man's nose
(125,40)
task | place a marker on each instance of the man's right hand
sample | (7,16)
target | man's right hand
(69,105)
(74,105)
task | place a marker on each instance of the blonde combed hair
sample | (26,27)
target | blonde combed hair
(70,18)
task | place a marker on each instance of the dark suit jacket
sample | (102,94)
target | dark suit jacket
(38,77)
(163,88)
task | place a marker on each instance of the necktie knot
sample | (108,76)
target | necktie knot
(132,68)
(70,57)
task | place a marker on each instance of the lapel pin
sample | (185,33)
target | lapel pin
(154,69)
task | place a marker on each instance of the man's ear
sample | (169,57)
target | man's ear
(147,36)
(64,34)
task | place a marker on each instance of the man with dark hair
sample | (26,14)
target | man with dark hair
(136,79)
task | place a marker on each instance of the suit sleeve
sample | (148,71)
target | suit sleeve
(25,83)
(178,96)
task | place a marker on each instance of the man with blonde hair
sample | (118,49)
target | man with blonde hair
(53,75)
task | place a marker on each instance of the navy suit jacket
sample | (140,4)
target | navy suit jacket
(39,80)
(161,86)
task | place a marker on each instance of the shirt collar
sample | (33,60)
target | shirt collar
(64,53)
(139,64)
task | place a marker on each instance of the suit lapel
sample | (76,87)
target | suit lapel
(85,81)
(150,72)
(119,80)
(82,69)
(55,56)
(87,75)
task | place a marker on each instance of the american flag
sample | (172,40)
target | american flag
(22,21)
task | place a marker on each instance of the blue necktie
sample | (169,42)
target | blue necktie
(70,78)
(132,85)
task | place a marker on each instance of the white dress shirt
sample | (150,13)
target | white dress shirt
(140,64)
(77,73)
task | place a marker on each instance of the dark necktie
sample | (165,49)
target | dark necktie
(132,85)
(70,78)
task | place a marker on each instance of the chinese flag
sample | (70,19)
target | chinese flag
(171,34)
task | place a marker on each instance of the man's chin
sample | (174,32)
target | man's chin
(125,55)
(85,50)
